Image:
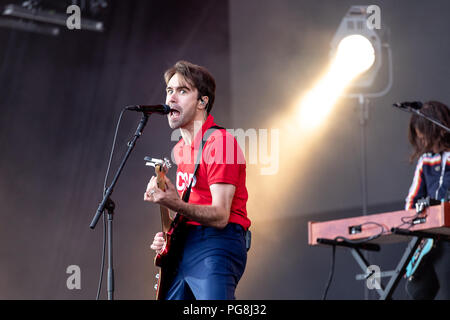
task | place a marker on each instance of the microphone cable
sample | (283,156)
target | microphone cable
(343,239)
(330,277)
(104,192)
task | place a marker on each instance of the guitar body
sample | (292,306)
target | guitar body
(422,250)
(163,279)
(167,259)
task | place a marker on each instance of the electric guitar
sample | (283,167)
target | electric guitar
(422,250)
(425,245)
(165,259)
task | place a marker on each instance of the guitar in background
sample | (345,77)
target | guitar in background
(424,248)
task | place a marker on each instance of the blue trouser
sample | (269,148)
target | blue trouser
(211,265)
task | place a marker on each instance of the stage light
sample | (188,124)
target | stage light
(355,23)
(355,55)
(356,58)
(29,26)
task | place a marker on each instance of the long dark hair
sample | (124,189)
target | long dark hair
(433,135)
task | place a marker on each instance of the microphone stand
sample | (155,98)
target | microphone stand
(420,114)
(109,205)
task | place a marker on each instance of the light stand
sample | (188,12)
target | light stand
(364,103)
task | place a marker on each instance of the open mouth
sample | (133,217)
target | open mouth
(174,114)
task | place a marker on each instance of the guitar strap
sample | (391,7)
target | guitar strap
(181,225)
(205,137)
(248,234)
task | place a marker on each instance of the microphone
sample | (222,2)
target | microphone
(157,108)
(416,105)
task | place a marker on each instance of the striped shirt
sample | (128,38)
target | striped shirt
(431,178)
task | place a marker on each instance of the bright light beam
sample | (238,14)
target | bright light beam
(355,55)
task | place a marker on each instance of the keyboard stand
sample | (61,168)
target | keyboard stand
(396,275)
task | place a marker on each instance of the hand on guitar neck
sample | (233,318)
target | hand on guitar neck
(160,188)
(162,191)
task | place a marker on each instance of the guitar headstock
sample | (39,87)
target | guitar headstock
(161,166)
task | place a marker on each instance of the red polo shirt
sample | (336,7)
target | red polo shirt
(222,162)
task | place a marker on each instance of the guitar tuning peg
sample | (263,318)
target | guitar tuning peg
(152,161)
(157,276)
(156,286)
(167,163)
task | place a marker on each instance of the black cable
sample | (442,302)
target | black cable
(330,277)
(103,257)
(410,222)
(104,192)
(112,151)
(383,230)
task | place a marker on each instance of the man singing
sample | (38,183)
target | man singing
(213,254)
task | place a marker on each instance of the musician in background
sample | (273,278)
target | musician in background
(213,255)
(431,146)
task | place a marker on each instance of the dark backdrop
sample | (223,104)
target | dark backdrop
(60,101)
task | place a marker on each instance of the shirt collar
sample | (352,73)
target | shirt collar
(209,122)
(198,137)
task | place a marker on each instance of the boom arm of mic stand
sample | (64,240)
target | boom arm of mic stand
(109,191)
(420,114)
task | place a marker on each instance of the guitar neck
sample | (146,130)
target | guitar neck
(165,213)
(165,218)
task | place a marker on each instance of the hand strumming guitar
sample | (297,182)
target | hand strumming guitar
(158,242)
